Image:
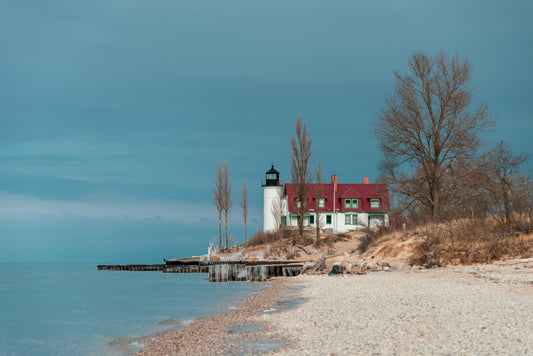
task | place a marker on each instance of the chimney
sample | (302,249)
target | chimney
(334,181)
(365,180)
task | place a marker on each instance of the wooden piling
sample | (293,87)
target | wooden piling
(290,271)
(220,271)
(256,273)
(130,267)
(186,269)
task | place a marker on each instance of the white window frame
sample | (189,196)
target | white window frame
(322,202)
(350,219)
(374,203)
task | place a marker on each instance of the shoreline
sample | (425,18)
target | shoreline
(472,310)
(234,332)
(480,309)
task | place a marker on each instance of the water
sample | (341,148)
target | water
(73,309)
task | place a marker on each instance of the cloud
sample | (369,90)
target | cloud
(82,179)
(15,206)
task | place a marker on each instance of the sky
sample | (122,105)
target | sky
(114,114)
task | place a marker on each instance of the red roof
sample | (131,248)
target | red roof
(363,192)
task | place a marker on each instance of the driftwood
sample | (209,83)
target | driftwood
(304,249)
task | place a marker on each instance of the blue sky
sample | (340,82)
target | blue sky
(114,114)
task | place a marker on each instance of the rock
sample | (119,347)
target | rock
(360,262)
(336,269)
(309,266)
(383,264)
(347,267)
(372,266)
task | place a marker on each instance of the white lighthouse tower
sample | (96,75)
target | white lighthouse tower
(271,196)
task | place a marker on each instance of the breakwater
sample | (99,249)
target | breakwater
(254,273)
(219,271)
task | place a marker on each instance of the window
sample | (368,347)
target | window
(350,219)
(311,219)
(374,203)
(321,202)
(351,203)
(328,219)
(271,176)
(298,203)
(294,219)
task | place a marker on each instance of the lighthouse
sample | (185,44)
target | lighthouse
(271,195)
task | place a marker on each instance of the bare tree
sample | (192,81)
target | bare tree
(464,194)
(503,169)
(227,200)
(277,213)
(427,125)
(244,205)
(218,198)
(300,171)
(524,201)
(319,188)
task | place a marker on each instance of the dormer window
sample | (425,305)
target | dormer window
(298,203)
(351,203)
(321,202)
(374,203)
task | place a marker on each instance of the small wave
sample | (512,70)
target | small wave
(120,341)
(187,322)
(124,346)
(171,321)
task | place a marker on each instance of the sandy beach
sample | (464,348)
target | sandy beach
(460,310)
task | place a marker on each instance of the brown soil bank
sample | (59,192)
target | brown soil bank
(456,243)
(462,242)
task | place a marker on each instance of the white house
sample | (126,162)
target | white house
(343,207)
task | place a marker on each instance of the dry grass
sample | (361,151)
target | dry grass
(460,242)
(262,238)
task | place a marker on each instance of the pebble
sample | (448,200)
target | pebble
(461,310)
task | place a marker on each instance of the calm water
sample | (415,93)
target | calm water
(73,309)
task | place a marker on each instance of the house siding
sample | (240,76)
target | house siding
(335,206)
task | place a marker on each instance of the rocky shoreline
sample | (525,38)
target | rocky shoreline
(237,332)
(469,310)
(484,309)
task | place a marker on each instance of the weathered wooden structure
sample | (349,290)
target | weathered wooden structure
(136,268)
(186,269)
(220,271)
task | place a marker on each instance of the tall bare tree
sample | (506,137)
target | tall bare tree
(278,210)
(300,171)
(427,125)
(218,198)
(227,200)
(524,202)
(504,169)
(319,188)
(244,205)
(465,194)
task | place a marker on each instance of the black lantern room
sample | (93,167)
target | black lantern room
(272,178)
